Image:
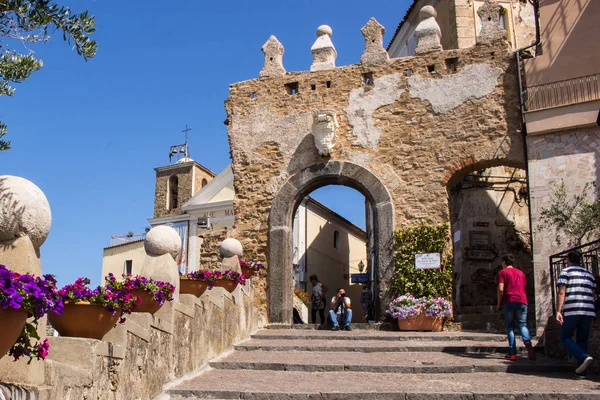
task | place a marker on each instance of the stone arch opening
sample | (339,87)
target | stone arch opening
(285,203)
(489,217)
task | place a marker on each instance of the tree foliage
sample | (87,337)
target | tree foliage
(576,217)
(32,21)
(422,239)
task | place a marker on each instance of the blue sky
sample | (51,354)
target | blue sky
(90,133)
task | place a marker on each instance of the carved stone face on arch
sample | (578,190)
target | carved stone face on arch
(324,130)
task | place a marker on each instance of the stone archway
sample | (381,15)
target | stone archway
(300,184)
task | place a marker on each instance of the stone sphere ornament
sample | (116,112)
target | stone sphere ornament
(324,30)
(24,211)
(162,240)
(427,12)
(230,247)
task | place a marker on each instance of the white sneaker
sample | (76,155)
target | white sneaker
(586,363)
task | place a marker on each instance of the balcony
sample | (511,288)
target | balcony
(563,93)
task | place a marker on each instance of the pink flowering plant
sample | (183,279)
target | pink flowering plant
(251,264)
(161,291)
(204,275)
(233,276)
(407,307)
(114,300)
(36,296)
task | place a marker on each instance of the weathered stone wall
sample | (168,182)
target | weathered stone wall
(573,157)
(136,359)
(209,249)
(417,125)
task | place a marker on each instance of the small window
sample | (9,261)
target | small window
(204,182)
(336,240)
(173,192)
(291,88)
(368,78)
(128,267)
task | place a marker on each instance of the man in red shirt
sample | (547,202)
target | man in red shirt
(512,298)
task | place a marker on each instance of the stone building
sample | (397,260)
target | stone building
(460,24)
(408,133)
(561,103)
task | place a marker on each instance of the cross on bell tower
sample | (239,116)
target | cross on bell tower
(181,148)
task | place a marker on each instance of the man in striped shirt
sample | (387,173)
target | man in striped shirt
(576,294)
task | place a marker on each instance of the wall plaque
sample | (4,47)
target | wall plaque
(427,261)
(480,254)
(479,239)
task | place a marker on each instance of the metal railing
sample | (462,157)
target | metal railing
(562,93)
(590,253)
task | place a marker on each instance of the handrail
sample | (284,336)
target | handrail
(563,93)
(590,255)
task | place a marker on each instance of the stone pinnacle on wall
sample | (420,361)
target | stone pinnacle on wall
(323,51)
(491,30)
(273,51)
(428,32)
(374,52)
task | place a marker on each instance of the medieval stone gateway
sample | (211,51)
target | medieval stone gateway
(280,228)
(400,131)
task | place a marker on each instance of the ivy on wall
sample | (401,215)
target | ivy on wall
(422,239)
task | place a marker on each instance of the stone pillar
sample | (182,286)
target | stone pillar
(231,250)
(428,32)
(273,51)
(374,52)
(162,244)
(193,247)
(491,30)
(323,51)
(25,220)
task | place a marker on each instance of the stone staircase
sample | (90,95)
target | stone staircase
(369,364)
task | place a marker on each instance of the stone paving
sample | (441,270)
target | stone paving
(300,364)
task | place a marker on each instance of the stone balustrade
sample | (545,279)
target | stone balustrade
(136,359)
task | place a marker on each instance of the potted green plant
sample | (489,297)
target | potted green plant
(91,313)
(419,314)
(152,294)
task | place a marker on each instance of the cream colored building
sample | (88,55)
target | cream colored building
(460,24)
(331,247)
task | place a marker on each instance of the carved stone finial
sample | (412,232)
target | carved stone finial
(323,51)
(428,32)
(374,52)
(273,51)
(324,130)
(491,30)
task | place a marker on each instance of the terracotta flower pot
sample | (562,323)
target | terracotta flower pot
(227,284)
(147,304)
(83,320)
(420,323)
(248,271)
(192,286)
(12,321)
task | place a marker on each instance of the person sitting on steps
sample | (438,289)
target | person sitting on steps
(340,311)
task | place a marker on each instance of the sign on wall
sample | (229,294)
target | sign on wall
(360,278)
(428,261)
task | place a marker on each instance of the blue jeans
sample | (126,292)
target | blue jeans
(581,324)
(347,317)
(518,311)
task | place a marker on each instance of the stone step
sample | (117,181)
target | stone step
(292,334)
(389,362)
(376,326)
(292,385)
(371,346)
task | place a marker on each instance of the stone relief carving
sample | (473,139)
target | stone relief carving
(324,130)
